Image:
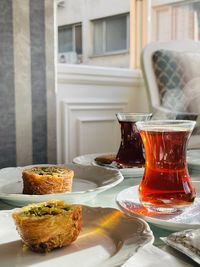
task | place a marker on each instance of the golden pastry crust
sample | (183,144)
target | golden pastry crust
(48,225)
(41,180)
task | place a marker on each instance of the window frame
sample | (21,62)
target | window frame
(171,6)
(73,27)
(103,21)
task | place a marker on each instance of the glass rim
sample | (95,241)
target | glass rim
(188,124)
(135,113)
(133,117)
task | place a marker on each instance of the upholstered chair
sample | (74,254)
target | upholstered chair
(172,74)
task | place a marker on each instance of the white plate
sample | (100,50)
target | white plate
(129,202)
(88,160)
(88,181)
(193,159)
(108,239)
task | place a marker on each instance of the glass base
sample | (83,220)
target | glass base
(122,165)
(165,210)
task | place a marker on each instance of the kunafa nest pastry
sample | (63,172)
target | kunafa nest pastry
(48,225)
(41,180)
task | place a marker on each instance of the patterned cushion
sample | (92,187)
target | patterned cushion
(191,64)
(168,70)
(178,76)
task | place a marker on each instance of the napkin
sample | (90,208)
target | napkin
(151,256)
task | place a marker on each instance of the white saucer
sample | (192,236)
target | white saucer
(89,160)
(88,181)
(108,238)
(129,202)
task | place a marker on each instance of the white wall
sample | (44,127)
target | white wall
(118,60)
(84,11)
(88,98)
(77,10)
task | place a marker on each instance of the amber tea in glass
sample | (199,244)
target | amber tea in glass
(130,153)
(166,184)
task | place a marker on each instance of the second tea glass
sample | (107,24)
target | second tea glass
(131,152)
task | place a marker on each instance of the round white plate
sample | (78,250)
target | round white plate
(108,239)
(88,160)
(88,181)
(128,200)
(193,159)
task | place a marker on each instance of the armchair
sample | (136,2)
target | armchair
(171,72)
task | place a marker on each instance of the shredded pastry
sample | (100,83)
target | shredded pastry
(41,180)
(48,225)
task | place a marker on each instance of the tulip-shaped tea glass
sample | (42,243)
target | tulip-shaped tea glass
(166,184)
(130,153)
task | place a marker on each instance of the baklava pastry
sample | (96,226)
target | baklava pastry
(41,180)
(48,225)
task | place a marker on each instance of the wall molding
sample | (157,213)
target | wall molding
(88,97)
(78,113)
(82,74)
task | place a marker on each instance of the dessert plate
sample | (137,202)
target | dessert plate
(88,181)
(128,200)
(89,160)
(108,238)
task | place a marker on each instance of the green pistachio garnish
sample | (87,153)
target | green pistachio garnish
(50,170)
(41,210)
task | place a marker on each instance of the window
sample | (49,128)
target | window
(177,21)
(70,38)
(111,34)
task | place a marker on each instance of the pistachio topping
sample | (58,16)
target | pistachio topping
(44,209)
(50,170)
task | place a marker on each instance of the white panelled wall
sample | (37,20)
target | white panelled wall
(88,98)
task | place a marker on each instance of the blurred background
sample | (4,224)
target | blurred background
(68,66)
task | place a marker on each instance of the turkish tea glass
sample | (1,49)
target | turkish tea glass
(131,152)
(166,185)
